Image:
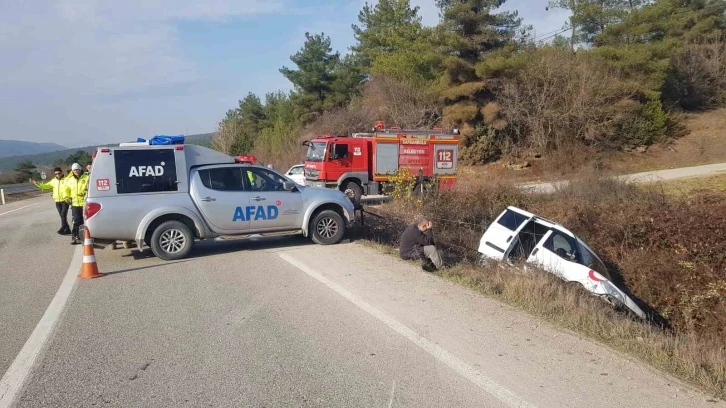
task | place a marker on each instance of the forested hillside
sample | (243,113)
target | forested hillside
(615,77)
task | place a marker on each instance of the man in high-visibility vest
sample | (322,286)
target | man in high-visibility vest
(76,187)
(57,185)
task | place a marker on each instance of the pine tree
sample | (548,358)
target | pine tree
(470,31)
(388,26)
(317,80)
(590,18)
(662,20)
(474,30)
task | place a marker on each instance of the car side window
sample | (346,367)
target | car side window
(562,245)
(511,220)
(223,179)
(263,180)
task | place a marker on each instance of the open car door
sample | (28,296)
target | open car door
(498,238)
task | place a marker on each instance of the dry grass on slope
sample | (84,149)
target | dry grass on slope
(666,250)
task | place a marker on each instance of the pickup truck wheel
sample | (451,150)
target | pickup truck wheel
(172,240)
(353,191)
(327,228)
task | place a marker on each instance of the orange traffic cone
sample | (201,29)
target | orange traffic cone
(89,269)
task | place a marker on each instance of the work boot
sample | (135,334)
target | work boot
(66,231)
(75,240)
(60,231)
(428,266)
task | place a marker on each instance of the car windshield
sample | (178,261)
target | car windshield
(588,258)
(316,152)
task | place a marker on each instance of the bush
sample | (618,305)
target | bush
(397,102)
(561,99)
(697,77)
(644,126)
(667,251)
(394,101)
(280,145)
(557,99)
(481,146)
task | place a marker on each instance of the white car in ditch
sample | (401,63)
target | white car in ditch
(518,234)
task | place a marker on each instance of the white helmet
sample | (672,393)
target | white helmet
(76,166)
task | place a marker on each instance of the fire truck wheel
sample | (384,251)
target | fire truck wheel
(353,191)
(327,228)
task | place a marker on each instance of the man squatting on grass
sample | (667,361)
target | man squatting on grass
(417,242)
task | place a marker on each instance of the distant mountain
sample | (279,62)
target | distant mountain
(52,157)
(17,148)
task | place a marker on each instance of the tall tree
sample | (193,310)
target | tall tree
(252,113)
(474,30)
(240,127)
(385,27)
(314,80)
(469,31)
(391,41)
(590,18)
(678,20)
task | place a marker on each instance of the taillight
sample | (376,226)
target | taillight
(91,210)
(596,276)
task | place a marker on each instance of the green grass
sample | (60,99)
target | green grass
(687,187)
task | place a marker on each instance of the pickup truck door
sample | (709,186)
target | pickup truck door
(274,209)
(219,193)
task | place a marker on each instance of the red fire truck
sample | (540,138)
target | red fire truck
(363,163)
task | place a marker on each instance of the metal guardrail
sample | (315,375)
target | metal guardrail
(18,188)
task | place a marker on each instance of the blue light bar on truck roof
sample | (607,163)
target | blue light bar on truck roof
(163,140)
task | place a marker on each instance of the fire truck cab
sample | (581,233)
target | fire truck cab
(363,163)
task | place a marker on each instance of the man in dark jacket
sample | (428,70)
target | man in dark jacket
(417,242)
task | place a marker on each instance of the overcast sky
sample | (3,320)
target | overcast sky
(83,72)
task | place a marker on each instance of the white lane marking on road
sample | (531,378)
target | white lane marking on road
(393,392)
(501,393)
(13,380)
(18,209)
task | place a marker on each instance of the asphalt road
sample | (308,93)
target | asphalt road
(282,322)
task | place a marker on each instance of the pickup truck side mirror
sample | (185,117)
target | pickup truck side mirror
(288,185)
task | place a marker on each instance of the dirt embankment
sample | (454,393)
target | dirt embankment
(704,142)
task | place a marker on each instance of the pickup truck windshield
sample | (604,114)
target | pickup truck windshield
(316,152)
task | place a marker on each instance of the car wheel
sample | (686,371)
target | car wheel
(353,191)
(327,228)
(172,240)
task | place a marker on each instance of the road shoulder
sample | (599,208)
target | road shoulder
(533,359)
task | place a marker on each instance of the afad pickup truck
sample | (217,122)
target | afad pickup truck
(168,196)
